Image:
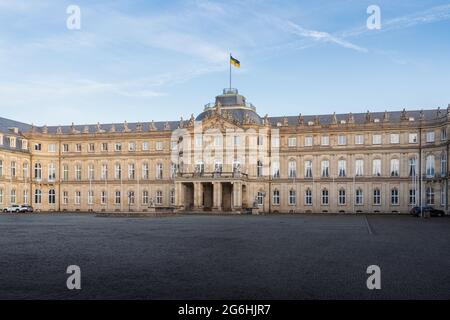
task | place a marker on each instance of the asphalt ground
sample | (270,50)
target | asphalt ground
(224,257)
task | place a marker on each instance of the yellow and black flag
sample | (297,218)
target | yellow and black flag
(235,62)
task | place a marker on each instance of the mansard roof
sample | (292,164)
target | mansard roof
(6,126)
(360,118)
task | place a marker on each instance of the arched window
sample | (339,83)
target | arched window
(430,166)
(412,166)
(292,169)
(38,171)
(292,197)
(275,169)
(259,168)
(159,197)
(342,164)
(359,197)
(430,196)
(308,197)
(172,197)
(51,196)
(325,168)
(325,197)
(38,196)
(159,171)
(276,197)
(395,167)
(376,196)
(376,167)
(443,164)
(341,197)
(394,196)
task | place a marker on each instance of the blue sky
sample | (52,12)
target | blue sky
(159,60)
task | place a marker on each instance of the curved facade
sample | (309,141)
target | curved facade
(369,162)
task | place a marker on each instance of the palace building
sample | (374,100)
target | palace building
(230,159)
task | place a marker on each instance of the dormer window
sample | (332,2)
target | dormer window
(12,142)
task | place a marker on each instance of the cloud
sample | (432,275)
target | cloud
(432,15)
(321,36)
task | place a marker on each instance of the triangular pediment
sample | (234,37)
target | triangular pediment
(218,122)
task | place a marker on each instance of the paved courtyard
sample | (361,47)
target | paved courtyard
(224,257)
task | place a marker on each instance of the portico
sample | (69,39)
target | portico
(214,196)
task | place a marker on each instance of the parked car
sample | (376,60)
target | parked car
(13,208)
(427,210)
(18,208)
(26,208)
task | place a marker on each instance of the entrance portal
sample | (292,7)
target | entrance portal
(227,191)
(188,196)
(208,194)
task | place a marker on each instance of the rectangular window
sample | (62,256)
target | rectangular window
(145,171)
(292,197)
(90,197)
(91,147)
(159,171)
(308,169)
(78,147)
(52,147)
(65,197)
(444,134)
(412,196)
(292,142)
(376,167)
(359,167)
(395,167)
(51,172)
(308,141)
(145,146)
(117,198)
(359,139)
(37,147)
(78,197)
(395,138)
(412,138)
(342,140)
(104,174)
(91,172)
(342,164)
(159,145)
(104,146)
(103,197)
(13,169)
(376,139)
(131,171)
(118,147)
(78,172)
(430,136)
(145,197)
(65,172)
(65,147)
(325,141)
(159,197)
(132,146)
(325,168)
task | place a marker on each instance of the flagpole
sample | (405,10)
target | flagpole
(230,70)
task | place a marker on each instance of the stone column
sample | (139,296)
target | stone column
(217,193)
(198,193)
(237,196)
(179,196)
